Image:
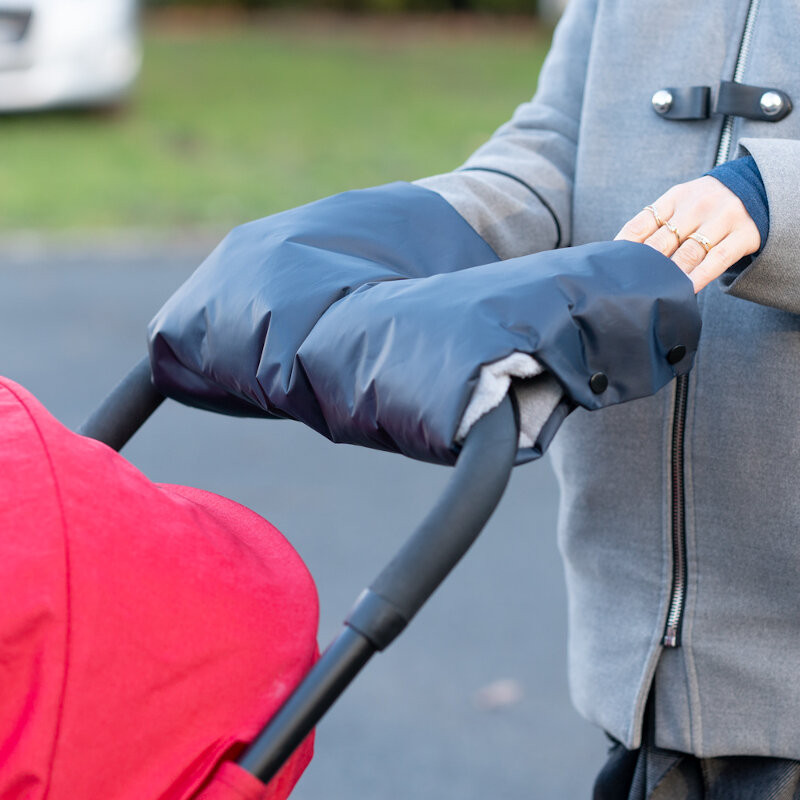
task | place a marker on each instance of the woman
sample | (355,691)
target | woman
(679,511)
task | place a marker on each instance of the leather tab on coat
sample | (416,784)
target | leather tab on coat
(752,102)
(686,103)
(732,99)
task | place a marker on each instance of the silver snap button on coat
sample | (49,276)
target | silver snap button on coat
(771,103)
(662,101)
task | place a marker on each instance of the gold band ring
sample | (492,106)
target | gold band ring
(701,240)
(672,229)
(652,210)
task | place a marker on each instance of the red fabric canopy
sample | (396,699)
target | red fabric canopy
(146,631)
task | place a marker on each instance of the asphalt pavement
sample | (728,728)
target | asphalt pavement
(471,701)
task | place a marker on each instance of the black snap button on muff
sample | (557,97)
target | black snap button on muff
(598,383)
(676,354)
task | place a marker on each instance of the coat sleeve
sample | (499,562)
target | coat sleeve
(516,190)
(773,277)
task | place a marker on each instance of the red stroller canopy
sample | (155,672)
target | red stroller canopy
(147,631)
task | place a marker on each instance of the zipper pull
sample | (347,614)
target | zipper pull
(671,636)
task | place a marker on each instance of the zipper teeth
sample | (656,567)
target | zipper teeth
(672,629)
(723,151)
(747,37)
(678,521)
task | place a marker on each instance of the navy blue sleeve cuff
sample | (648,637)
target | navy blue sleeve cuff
(742,177)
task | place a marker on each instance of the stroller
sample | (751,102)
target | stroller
(443,537)
(484,459)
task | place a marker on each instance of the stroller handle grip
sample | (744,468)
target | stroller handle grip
(125,409)
(444,536)
(382,611)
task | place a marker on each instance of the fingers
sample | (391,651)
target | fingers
(672,238)
(727,240)
(667,239)
(647,221)
(721,256)
(691,253)
(638,228)
(706,209)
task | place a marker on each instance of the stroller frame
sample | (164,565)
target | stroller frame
(383,610)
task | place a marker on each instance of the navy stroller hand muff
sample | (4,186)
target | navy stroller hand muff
(369,315)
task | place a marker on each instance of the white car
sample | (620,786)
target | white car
(58,53)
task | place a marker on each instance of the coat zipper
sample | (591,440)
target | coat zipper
(672,630)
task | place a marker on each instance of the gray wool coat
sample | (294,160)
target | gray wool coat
(580,159)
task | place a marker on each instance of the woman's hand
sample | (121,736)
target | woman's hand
(702,225)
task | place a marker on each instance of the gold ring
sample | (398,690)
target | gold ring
(652,210)
(701,240)
(672,229)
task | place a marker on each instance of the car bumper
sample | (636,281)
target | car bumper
(103,76)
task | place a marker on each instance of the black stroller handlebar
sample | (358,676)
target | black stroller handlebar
(384,609)
(126,408)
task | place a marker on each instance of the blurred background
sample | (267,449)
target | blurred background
(133,137)
(184,115)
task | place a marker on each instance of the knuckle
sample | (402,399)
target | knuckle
(701,274)
(689,254)
(660,236)
(681,260)
(635,229)
(680,190)
(684,192)
(652,240)
(626,230)
(697,250)
(706,203)
(722,254)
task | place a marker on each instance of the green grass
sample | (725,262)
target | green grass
(231,124)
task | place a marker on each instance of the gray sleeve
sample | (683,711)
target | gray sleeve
(773,277)
(516,190)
